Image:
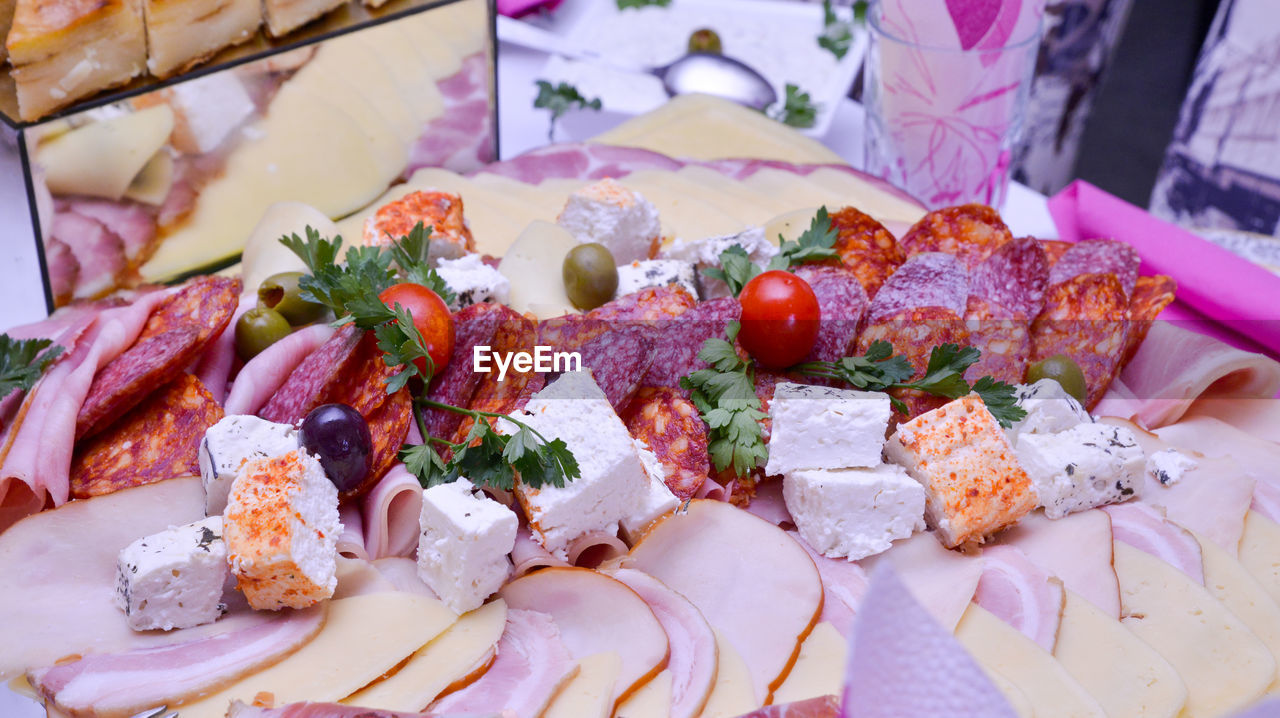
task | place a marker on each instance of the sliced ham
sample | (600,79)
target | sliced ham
(1076,549)
(769,505)
(215,367)
(402,573)
(580,161)
(1021,594)
(121,684)
(390,514)
(843,585)
(98,252)
(529,555)
(820,707)
(1174,367)
(317,710)
(532,662)
(1259,418)
(259,379)
(942,581)
(693,657)
(129,221)
(594,548)
(351,542)
(63,267)
(1143,528)
(1266,501)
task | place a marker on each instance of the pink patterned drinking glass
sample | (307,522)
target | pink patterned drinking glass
(946,95)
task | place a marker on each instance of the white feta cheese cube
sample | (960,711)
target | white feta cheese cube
(658,501)
(465,546)
(1168,466)
(818,427)
(473,281)
(854,513)
(228,444)
(615,216)
(613,481)
(1086,466)
(656,273)
(705,252)
(173,579)
(1049,409)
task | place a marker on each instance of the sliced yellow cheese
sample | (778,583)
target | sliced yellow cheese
(547,198)
(789,225)
(534,266)
(151,184)
(681,215)
(1230,583)
(1126,675)
(350,74)
(732,694)
(448,658)
(736,189)
(746,213)
(412,76)
(794,189)
(439,60)
(364,637)
(1260,552)
(819,669)
(1017,700)
(652,700)
(462,25)
(589,693)
(264,255)
(102,158)
(1222,663)
(855,192)
(1001,650)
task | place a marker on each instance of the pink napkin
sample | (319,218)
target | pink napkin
(1224,295)
(516,8)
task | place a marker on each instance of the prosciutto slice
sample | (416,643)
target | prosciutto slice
(125,683)
(843,585)
(1021,594)
(531,665)
(1174,367)
(390,514)
(259,379)
(1143,528)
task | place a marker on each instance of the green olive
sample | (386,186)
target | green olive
(281,293)
(705,40)
(258,329)
(590,275)
(1063,370)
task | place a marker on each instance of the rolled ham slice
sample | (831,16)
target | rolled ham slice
(1021,594)
(1143,528)
(390,514)
(351,542)
(122,684)
(594,548)
(528,555)
(259,379)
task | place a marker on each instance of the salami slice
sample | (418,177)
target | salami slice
(129,378)
(388,427)
(866,248)
(1150,296)
(206,303)
(649,304)
(515,333)
(914,333)
(931,279)
(1054,249)
(1014,278)
(159,439)
(1003,338)
(970,232)
(310,384)
(1085,318)
(1098,256)
(767,382)
(473,326)
(362,384)
(669,424)
(680,340)
(619,359)
(842,302)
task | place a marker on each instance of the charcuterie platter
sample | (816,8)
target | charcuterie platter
(597,432)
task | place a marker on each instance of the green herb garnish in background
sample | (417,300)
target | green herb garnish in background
(560,99)
(815,244)
(797,110)
(726,398)
(624,4)
(837,34)
(23,362)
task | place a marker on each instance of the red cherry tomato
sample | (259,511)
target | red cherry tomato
(430,315)
(779,319)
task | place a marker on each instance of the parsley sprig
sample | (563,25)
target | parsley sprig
(797,109)
(726,398)
(561,98)
(815,244)
(624,4)
(837,34)
(23,362)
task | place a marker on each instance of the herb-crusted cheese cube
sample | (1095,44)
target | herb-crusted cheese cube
(854,513)
(464,547)
(658,501)
(613,481)
(656,273)
(228,444)
(705,252)
(1168,466)
(281,528)
(173,579)
(817,427)
(622,220)
(473,281)
(1049,409)
(970,473)
(1086,466)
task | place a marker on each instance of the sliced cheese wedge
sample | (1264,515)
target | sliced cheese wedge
(590,693)
(411,75)
(1260,552)
(1126,675)
(795,190)
(746,212)
(1222,662)
(364,637)
(1001,650)
(546,199)
(1018,700)
(652,700)
(263,254)
(681,215)
(735,189)
(101,159)
(447,660)
(732,694)
(867,197)
(819,670)
(1230,583)
(534,266)
(439,60)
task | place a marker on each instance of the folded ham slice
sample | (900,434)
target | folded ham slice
(1076,549)
(529,555)
(259,379)
(1143,528)
(594,548)
(122,684)
(390,514)
(843,585)
(1021,594)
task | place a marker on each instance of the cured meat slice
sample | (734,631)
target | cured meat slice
(528,555)
(820,707)
(930,279)
(258,380)
(669,424)
(128,379)
(1143,528)
(473,326)
(914,333)
(1005,342)
(389,514)
(515,333)
(309,384)
(157,440)
(1021,594)
(844,583)
(388,427)
(971,232)
(619,359)
(842,302)
(649,304)
(363,382)
(866,248)
(316,710)
(206,303)
(676,353)
(1150,296)
(1015,277)
(1098,256)
(1086,318)
(1053,249)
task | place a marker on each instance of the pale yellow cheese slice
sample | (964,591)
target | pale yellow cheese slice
(448,658)
(439,60)
(364,637)
(412,76)
(1001,650)
(1230,583)
(681,215)
(790,225)
(264,255)
(1260,552)
(1126,675)
(819,669)
(1222,662)
(349,74)
(460,25)
(732,694)
(794,189)
(534,265)
(1017,700)
(102,158)
(651,700)
(854,192)
(545,200)
(746,213)
(736,189)
(388,146)
(588,694)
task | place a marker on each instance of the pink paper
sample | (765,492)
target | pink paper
(1219,293)
(516,8)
